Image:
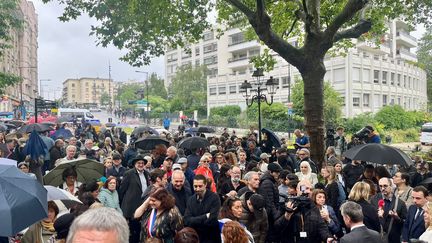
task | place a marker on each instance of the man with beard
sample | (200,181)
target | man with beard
(231,187)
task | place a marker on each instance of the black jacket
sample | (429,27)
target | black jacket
(370,215)
(268,189)
(130,192)
(314,226)
(352,174)
(181,197)
(362,234)
(332,191)
(195,217)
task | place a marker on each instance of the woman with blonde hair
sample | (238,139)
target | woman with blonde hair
(331,187)
(306,173)
(204,169)
(231,158)
(360,194)
(427,235)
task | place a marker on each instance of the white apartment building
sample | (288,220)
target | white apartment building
(87,91)
(21,60)
(367,78)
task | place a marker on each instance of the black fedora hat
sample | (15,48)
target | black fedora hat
(138,157)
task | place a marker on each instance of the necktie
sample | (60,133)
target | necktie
(418,213)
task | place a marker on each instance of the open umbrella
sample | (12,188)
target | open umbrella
(86,169)
(62,132)
(3,127)
(61,197)
(143,129)
(17,123)
(193,123)
(149,143)
(49,123)
(193,143)
(201,129)
(63,119)
(6,161)
(23,201)
(378,153)
(272,137)
(38,127)
(35,146)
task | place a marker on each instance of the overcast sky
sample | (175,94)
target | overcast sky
(66,50)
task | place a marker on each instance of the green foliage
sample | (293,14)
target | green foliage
(105,98)
(7,80)
(10,20)
(404,136)
(424,55)
(226,116)
(126,93)
(332,102)
(157,86)
(352,125)
(228,110)
(189,90)
(264,61)
(394,117)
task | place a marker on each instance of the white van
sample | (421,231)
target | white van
(426,133)
(78,113)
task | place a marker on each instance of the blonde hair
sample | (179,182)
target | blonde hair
(359,191)
(428,207)
(331,170)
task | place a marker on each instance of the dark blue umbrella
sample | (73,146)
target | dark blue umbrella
(23,200)
(193,123)
(62,132)
(35,146)
(272,137)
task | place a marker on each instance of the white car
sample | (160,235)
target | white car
(95,110)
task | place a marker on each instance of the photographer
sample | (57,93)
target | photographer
(366,135)
(302,220)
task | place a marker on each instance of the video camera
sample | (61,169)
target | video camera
(330,137)
(299,202)
(362,134)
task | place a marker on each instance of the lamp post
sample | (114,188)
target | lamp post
(147,95)
(254,92)
(289,103)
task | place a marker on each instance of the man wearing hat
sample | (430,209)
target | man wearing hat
(254,216)
(268,189)
(188,172)
(117,170)
(135,182)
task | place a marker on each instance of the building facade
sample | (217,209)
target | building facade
(21,60)
(367,77)
(87,92)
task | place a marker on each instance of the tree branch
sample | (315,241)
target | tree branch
(349,11)
(356,31)
(242,7)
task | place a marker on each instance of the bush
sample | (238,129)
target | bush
(403,136)
(228,110)
(394,117)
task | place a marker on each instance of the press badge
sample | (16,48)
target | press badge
(303,234)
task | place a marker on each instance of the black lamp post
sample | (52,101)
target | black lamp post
(254,92)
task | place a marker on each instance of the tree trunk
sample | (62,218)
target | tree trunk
(313,78)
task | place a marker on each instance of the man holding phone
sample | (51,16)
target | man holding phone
(393,213)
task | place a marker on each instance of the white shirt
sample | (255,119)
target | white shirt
(143,180)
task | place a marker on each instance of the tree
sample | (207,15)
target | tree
(332,102)
(320,25)
(424,55)
(126,93)
(189,89)
(105,98)
(157,86)
(9,22)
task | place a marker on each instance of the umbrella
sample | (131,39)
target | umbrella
(9,126)
(63,119)
(86,169)
(48,123)
(272,137)
(149,143)
(143,129)
(110,124)
(6,161)
(35,146)
(38,127)
(55,193)
(3,127)
(193,123)
(23,201)
(17,123)
(62,132)
(201,129)
(193,143)
(378,153)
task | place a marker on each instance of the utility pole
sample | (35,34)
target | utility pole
(109,87)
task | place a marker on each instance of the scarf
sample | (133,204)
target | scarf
(151,224)
(47,226)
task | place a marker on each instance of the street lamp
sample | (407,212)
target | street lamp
(255,92)
(147,88)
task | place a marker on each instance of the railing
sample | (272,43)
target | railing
(230,60)
(233,43)
(401,33)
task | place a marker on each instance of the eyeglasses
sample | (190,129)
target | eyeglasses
(383,186)
(205,161)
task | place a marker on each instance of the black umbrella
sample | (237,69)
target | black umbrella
(17,123)
(143,129)
(272,137)
(193,123)
(201,129)
(3,127)
(193,143)
(149,143)
(378,153)
(38,127)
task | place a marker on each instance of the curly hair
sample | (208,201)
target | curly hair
(166,199)
(233,232)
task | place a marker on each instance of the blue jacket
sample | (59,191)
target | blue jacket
(110,199)
(413,228)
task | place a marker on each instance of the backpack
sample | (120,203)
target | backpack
(341,194)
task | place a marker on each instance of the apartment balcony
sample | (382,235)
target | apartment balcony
(405,39)
(242,45)
(371,47)
(406,55)
(238,62)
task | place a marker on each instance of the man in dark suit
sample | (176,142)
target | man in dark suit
(394,211)
(135,182)
(353,217)
(117,169)
(414,226)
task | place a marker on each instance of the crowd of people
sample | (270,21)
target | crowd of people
(237,190)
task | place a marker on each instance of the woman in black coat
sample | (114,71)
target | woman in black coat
(331,187)
(360,194)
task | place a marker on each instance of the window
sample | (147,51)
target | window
(356,74)
(236,39)
(232,89)
(376,76)
(73,85)
(222,90)
(212,72)
(398,80)
(392,78)
(285,82)
(208,36)
(384,77)
(197,51)
(241,72)
(197,62)
(172,57)
(409,82)
(87,84)
(384,102)
(254,53)
(405,81)
(365,75)
(339,75)
(73,96)
(376,101)
(210,48)
(210,60)
(212,90)
(366,100)
(356,101)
